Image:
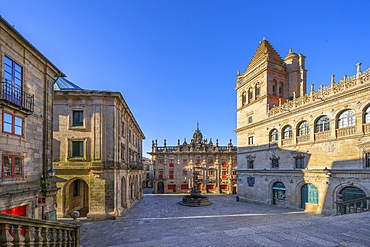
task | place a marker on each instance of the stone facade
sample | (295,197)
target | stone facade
(26,97)
(210,167)
(149,172)
(97,152)
(298,149)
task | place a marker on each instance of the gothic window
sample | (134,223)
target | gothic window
(367,115)
(346,119)
(303,129)
(257,90)
(281,88)
(287,132)
(244,98)
(250,95)
(323,124)
(274,135)
(274,87)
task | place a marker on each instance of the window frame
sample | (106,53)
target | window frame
(322,124)
(13,158)
(16,82)
(303,129)
(13,124)
(274,135)
(287,132)
(250,140)
(346,119)
(70,149)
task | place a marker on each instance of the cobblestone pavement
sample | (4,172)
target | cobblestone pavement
(158,220)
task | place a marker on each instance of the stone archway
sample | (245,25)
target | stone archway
(76,197)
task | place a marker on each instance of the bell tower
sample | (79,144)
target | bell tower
(267,81)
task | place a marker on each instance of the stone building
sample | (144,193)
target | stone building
(297,149)
(97,152)
(26,96)
(149,172)
(210,167)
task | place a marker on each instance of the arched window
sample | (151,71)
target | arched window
(323,124)
(257,90)
(244,98)
(274,87)
(287,132)
(367,115)
(346,119)
(281,88)
(250,95)
(303,129)
(274,135)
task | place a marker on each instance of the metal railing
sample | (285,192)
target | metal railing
(353,206)
(14,95)
(23,231)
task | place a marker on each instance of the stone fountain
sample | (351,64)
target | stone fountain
(195,199)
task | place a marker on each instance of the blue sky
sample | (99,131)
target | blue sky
(175,62)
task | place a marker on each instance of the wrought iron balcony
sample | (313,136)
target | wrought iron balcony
(14,96)
(136,166)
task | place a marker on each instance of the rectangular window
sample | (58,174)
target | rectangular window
(13,81)
(185,173)
(12,166)
(299,162)
(224,174)
(123,152)
(161,161)
(224,163)
(77,149)
(123,129)
(250,119)
(211,173)
(210,161)
(184,187)
(184,161)
(160,174)
(234,174)
(367,160)
(12,124)
(250,140)
(170,173)
(77,118)
(250,164)
(172,162)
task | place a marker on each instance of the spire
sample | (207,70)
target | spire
(197,126)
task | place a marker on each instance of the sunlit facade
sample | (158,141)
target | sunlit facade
(310,149)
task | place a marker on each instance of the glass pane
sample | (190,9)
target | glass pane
(77,118)
(77,149)
(18,130)
(7,166)
(17,166)
(18,121)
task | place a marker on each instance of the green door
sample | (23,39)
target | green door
(304,196)
(309,193)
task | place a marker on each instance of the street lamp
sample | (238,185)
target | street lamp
(51,172)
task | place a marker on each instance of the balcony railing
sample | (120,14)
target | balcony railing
(33,232)
(287,141)
(353,206)
(322,135)
(136,166)
(301,139)
(346,131)
(14,95)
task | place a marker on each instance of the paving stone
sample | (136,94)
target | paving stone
(158,220)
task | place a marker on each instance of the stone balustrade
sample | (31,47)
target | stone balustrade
(346,131)
(301,139)
(319,136)
(353,206)
(348,82)
(23,231)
